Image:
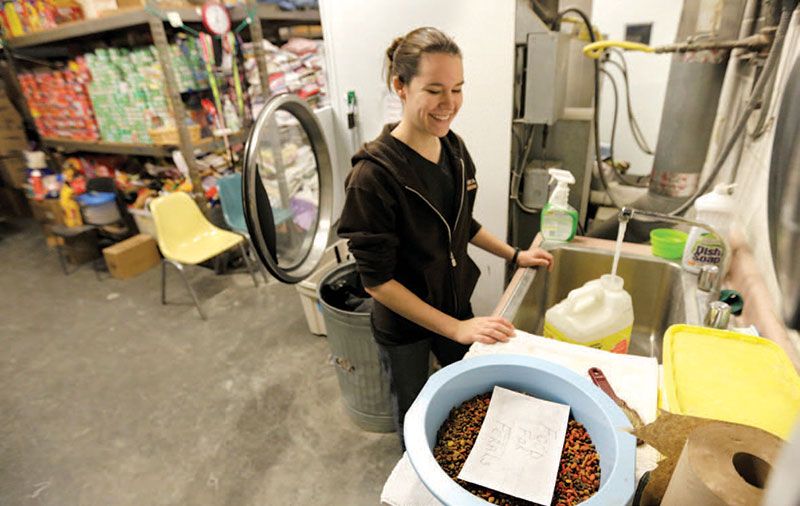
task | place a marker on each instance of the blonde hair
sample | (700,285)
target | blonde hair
(404,53)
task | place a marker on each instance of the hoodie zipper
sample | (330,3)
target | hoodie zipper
(453,261)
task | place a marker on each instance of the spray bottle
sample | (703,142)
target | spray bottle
(559,219)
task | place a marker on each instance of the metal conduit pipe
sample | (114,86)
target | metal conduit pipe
(755,98)
(690,104)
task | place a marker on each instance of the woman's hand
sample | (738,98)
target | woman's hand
(534,258)
(484,329)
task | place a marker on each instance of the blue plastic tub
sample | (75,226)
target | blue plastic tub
(463,380)
(92,199)
(99,208)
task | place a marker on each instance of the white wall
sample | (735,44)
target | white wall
(357,34)
(648,73)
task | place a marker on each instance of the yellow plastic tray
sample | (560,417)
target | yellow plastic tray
(732,377)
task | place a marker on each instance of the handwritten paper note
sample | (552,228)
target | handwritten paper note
(518,448)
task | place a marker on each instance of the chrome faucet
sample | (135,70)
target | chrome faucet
(628,213)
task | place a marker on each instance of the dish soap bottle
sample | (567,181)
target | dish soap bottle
(703,248)
(559,219)
(599,314)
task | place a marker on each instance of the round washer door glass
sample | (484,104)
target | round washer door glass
(287,188)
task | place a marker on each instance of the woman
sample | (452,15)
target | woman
(408,218)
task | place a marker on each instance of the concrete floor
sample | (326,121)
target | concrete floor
(110,398)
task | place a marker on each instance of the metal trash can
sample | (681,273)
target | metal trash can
(345,309)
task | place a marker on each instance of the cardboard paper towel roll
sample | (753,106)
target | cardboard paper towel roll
(722,465)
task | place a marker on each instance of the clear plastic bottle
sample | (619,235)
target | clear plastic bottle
(231,117)
(703,248)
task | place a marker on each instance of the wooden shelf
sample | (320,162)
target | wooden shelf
(124,148)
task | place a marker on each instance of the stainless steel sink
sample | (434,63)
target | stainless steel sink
(658,288)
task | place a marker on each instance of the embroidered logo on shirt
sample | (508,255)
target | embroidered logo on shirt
(472,184)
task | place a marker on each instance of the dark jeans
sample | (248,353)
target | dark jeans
(407,367)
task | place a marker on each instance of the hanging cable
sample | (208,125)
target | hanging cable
(613,162)
(633,123)
(596,113)
(614,117)
(516,176)
(761,124)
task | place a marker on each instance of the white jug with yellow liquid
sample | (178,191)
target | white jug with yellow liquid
(599,314)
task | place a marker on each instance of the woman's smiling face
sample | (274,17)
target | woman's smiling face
(433,97)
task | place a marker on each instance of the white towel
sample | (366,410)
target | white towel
(404,488)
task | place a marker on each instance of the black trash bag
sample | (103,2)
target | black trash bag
(346,292)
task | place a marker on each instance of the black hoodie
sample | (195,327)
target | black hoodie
(395,232)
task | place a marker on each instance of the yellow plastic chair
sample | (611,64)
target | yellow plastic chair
(186,237)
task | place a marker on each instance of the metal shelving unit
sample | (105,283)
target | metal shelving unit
(270,12)
(121,148)
(129,18)
(126,148)
(124,18)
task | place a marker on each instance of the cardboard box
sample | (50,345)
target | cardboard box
(94,8)
(51,240)
(13,203)
(162,4)
(12,121)
(47,211)
(13,171)
(132,256)
(13,145)
(130,4)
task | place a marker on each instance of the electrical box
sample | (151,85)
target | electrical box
(545,77)
(535,186)
(536,182)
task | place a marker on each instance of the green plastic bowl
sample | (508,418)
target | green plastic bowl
(668,243)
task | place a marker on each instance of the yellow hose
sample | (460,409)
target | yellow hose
(596,49)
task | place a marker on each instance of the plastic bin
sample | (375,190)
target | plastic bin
(449,387)
(365,390)
(144,222)
(308,288)
(733,377)
(99,208)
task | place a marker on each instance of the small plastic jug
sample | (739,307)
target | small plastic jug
(599,314)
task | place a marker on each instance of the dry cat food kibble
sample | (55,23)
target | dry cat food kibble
(579,471)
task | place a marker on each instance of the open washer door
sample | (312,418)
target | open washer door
(287,188)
